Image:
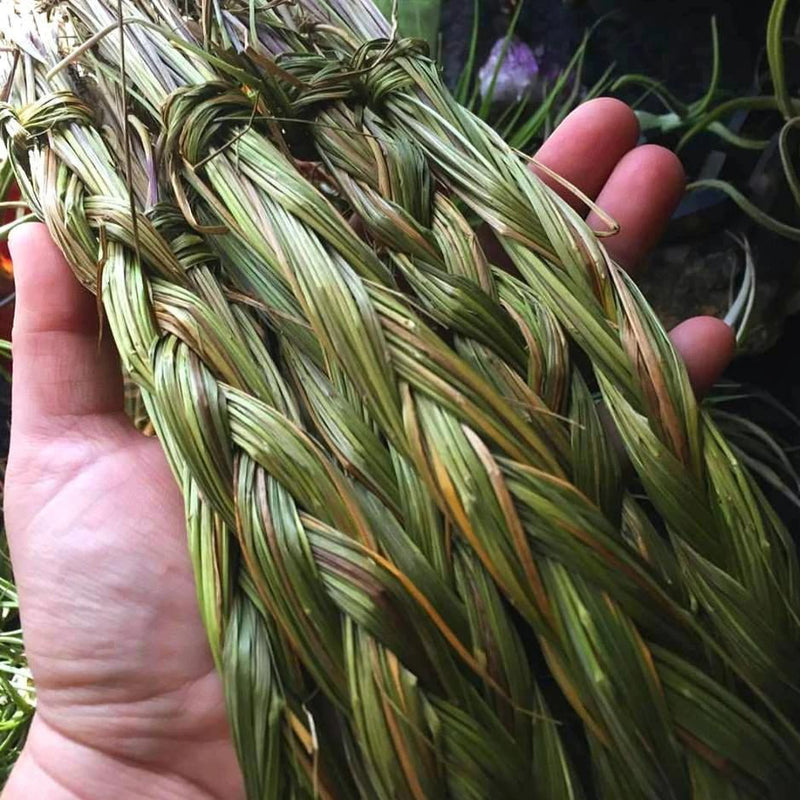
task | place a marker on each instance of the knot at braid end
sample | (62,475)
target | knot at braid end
(381,69)
(17,125)
(194,116)
(365,74)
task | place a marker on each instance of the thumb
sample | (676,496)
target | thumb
(60,373)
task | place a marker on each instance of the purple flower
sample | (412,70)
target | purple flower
(518,75)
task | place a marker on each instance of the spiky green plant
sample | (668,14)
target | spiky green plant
(527,122)
(17,696)
(709,114)
(422,567)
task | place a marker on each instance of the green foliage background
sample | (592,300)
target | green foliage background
(417,18)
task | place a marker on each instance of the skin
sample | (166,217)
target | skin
(129,703)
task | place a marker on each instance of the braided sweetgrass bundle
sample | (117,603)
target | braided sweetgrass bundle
(424,566)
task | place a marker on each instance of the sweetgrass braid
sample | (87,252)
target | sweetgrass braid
(350,580)
(717,518)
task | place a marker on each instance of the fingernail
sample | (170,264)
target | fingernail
(17,235)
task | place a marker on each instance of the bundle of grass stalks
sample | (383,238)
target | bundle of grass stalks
(423,570)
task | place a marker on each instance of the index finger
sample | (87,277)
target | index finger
(585,149)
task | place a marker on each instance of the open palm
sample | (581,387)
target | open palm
(97,530)
(128,697)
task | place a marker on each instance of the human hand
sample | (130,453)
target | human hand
(129,703)
(595,149)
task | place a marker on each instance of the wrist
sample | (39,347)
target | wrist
(53,767)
